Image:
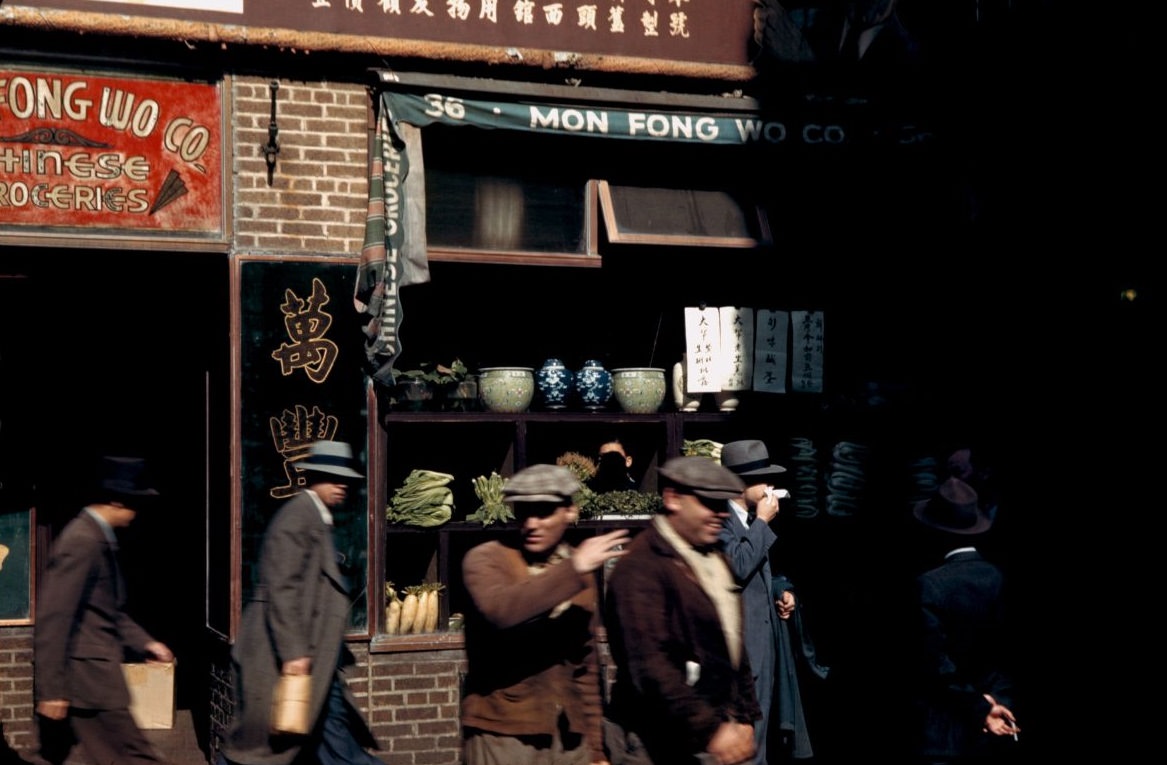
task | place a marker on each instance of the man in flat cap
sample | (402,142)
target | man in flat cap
(684,692)
(533,685)
(82,630)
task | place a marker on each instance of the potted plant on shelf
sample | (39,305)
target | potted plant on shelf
(448,385)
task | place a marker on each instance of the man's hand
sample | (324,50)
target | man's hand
(300,666)
(733,742)
(594,551)
(159,651)
(785,604)
(1000,720)
(767,507)
(54,709)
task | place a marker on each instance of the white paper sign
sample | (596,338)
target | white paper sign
(770,351)
(806,374)
(737,347)
(703,370)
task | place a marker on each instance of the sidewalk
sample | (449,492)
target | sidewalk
(179,745)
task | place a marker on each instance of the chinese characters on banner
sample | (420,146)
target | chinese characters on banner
(306,323)
(770,351)
(737,341)
(703,359)
(730,348)
(806,374)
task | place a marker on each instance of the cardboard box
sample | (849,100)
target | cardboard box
(151,694)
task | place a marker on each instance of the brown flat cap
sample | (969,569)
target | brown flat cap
(703,477)
(541,483)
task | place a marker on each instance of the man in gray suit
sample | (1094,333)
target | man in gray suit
(294,625)
(746,538)
(82,631)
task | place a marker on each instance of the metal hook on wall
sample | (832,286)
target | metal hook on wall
(272,148)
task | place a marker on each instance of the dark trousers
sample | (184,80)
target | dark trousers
(338,745)
(106,735)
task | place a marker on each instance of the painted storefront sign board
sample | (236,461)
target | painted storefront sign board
(710,33)
(102,155)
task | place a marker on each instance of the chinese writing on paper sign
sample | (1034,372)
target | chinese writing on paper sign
(770,351)
(807,370)
(737,341)
(307,324)
(703,369)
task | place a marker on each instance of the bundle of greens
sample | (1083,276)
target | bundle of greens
(630,502)
(701,447)
(424,499)
(492,509)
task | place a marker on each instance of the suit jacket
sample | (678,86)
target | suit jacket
(964,654)
(663,628)
(525,666)
(300,608)
(82,631)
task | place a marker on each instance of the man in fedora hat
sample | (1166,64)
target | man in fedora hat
(533,686)
(82,630)
(684,693)
(746,536)
(295,624)
(964,690)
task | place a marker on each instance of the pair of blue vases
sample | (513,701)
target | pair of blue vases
(556,384)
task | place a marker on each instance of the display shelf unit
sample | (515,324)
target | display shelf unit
(469,444)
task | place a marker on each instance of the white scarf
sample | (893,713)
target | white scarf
(716,580)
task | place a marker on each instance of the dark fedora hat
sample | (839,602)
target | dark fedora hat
(125,477)
(331,457)
(953,508)
(703,477)
(750,460)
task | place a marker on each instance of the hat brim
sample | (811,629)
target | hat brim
(329,469)
(765,472)
(538,498)
(980,526)
(715,493)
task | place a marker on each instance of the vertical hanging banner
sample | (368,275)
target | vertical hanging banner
(393,254)
(703,355)
(807,371)
(770,351)
(737,347)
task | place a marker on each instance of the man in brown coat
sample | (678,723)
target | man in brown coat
(533,686)
(295,625)
(82,631)
(684,691)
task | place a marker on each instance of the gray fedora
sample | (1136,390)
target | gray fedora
(750,460)
(332,457)
(953,508)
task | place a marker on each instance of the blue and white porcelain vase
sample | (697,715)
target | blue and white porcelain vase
(553,381)
(593,384)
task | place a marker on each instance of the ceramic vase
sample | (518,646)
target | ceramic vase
(593,385)
(639,390)
(553,381)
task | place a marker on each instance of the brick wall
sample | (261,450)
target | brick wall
(317,198)
(413,706)
(16,719)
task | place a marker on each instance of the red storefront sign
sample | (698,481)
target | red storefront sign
(82,152)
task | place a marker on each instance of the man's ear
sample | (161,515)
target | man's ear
(572,514)
(628,460)
(671,499)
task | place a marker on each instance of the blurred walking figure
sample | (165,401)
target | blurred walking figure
(294,625)
(82,630)
(684,692)
(533,692)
